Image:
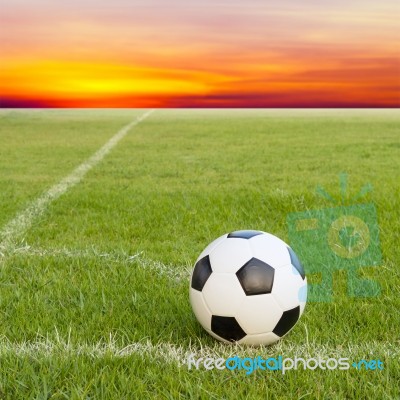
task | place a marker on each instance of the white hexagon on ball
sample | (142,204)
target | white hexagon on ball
(259,314)
(288,287)
(200,308)
(260,339)
(270,249)
(230,255)
(223,294)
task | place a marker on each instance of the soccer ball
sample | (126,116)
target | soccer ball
(248,287)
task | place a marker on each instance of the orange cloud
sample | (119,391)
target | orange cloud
(199,54)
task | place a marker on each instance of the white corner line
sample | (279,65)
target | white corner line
(23,221)
(169,271)
(179,353)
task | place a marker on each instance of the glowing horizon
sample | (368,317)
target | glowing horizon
(189,54)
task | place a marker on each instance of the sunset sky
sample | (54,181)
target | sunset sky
(209,53)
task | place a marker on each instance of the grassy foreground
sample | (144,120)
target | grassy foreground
(94,297)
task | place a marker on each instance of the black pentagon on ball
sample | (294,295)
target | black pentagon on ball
(202,271)
(244,234)
(256,277)
(296,262)
(227,328)
(287,321)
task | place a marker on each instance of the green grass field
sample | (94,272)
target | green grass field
(94,282)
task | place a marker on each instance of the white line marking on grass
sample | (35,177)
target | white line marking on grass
(23,221)
(172,353)
(48,348)
(176,273)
